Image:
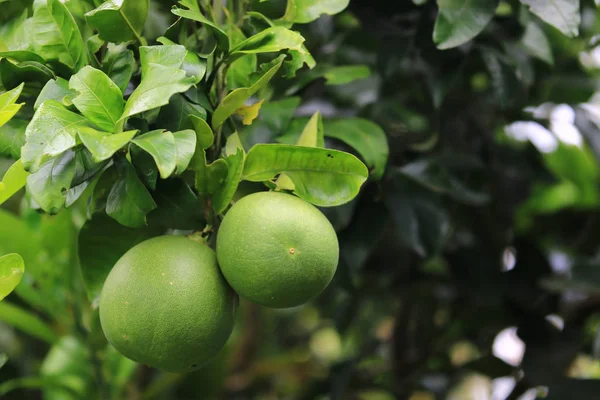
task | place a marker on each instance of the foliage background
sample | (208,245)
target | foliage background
(486,220)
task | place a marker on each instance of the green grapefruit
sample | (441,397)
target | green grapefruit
(277,250)
(165,304)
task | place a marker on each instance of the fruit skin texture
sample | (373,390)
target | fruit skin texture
(165,304)
(276,249)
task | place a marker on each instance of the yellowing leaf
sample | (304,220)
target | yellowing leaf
(8,108)
(249,113)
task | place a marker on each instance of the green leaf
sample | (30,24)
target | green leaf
(185,143)
(52,130)
(16,32)
(208,177)
(238,97)
(309,10)
(102,241)
(56,89)
(160,144)
(99,99)
(22,55)
(129,201)
(56,35)
(233,144)
(145,166)
(535,42)
(193,65)
(204,135)
(299,58)
(11,272)
(367,138)
(218,33)
(311,136)
(8,106)
(341,75)
(162,77)
(26,322)
(313,133)
(119,20)
(270,40)
(48,185)
(178,206)
(273,119)
(12,138)
(239,72)
(421,220)
(119,64)
(103,145)
(224,193)
(323,177)
(28,71)
(13,181)
(176,115)
(562,14)
(459,21)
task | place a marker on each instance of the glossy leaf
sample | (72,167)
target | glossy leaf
(313,133)
(185,143)
(119,64)
(119,20)
(56,89)
(103,145)
(56,35)
(14,180)
(238,97)
(176,115)
(13,74)
(235,165)
(145,166)
(99,98)
(16,32)
(562,14)
(218,33)
(129,201)
(8,104)
(160,144)
(48,185)
(204,135)
(309,10)
(459,21)
(311,136)
(11,272)
(162,77)
(323,177)
(270,40)
(193,65)
(52,130)
(26,322)
(366,137)
(102,241)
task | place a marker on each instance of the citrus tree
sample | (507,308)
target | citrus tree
(298,199)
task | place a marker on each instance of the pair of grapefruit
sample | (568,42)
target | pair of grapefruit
(169,303)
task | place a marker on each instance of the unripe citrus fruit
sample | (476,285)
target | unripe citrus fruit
(276,249)
(166,304)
